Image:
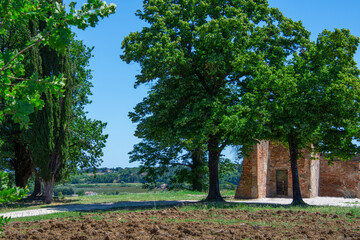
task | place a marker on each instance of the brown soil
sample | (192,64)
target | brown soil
(197,224)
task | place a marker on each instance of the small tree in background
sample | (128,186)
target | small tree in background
(181,166)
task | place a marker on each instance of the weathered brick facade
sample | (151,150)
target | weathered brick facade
(342,179)
(267,173)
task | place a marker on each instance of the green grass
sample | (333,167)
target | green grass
(154,195)
(108,188)
(147,196)
(350,214)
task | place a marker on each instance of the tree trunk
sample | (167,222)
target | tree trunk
(48,189)
(214,156)
(294,153)
(197,170)
(22,164)
(37,188)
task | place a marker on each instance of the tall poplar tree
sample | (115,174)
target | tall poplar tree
(14,151)
(20,94)
(71,140)
(49,130)
(60,138)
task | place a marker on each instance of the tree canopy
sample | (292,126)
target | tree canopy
(311,101)
(203,53)
(60,137)
(20,94)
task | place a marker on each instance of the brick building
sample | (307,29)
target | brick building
(267,173)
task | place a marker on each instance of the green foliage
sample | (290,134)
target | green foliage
(230,173)
(199,57)
(118,175)
(81,192)
(57,128)
(63,190)
(8,194)
(61,139)
(86,135)
(311,100)
(87,142)
(171,165)
(314,95)
(20,94)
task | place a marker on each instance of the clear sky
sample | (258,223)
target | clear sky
(113,93)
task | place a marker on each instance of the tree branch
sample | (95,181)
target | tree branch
(24,50)
(22,79)
(224,144)
(202,80)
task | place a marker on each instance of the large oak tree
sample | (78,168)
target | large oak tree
(208,48)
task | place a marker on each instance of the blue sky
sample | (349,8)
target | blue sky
(113,93)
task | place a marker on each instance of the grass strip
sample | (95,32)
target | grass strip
(350,214)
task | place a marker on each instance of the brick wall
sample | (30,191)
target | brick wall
(260,172)
(342,179)
(263,159)
(248,186)
(316,177)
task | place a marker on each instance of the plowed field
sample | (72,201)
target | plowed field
(195,224)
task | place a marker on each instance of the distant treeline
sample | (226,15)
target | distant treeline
(131,175)
(109,175)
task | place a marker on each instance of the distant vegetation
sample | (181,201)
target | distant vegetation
(132,175)
(118,180)
(109,175)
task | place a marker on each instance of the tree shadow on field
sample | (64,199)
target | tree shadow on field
(126,205)
(158,205)
(25,203)
(144,205)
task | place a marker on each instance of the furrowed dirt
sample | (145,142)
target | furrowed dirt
(197,224)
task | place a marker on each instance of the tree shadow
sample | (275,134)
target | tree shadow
(123,205)
(28,202)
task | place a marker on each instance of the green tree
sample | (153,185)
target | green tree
(311,101)
(83,137)
(49,132)
(65,139)
(202,51)
(20,93)
(86,135)
(182,166)
(162,147)
(86,138)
